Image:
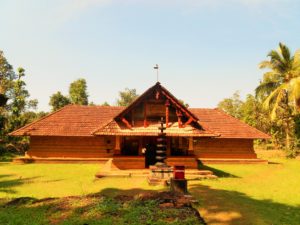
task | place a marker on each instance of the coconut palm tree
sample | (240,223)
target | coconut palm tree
(280,87)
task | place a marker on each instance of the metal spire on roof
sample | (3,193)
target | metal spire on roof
(156,67)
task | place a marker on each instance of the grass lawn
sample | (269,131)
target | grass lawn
(251,194)
(245,194)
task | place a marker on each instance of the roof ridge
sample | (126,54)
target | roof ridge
(40,119)
(97,106)
(165,92)
(230,116)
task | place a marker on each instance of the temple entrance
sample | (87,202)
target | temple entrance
(150,153)
(179,146)
(130,146)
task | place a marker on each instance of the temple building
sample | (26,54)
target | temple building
(99,133)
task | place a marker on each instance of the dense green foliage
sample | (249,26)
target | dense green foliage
(105,104)
(17,111)
(58,101)
(77,95)
(126,97)
(78,92)
(275,107)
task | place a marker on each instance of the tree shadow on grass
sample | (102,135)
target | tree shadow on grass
(232,207)
(217,172)
(8,184)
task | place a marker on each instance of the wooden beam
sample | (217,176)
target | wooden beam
(191,146)
(179,122)
(117,150)
(157,95)
(126,123)
(179,115)
(188,122)
(167,113)
(132,117)
(178,105)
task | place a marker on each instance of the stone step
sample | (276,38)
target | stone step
(198,172)
(201,177)
(231,161)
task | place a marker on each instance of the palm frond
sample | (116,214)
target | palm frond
(294,87)
(296,65)
(272,76)
(285,52)
(265,64)
(270,99)
(265,88)
(277,61)
(279,97)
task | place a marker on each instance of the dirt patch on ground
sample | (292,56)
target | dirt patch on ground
(141,208)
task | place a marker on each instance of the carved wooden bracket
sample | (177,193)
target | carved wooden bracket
(126,123)
(188,122)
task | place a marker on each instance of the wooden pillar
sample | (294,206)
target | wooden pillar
(145,115)
(117,150)
(179,115)
(180,142)
(191,146)
(140,145)
(169,146)
(167,113)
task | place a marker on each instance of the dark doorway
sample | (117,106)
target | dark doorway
(150,154)
(130,146)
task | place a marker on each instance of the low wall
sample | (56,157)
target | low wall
(224,148)
(72,147)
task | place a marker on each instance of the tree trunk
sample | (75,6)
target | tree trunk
(287,138)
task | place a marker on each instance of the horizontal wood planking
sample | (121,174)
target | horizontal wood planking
(77,147)
(139,162)
(188,162)
(224,148)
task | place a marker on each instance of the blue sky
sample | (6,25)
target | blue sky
(206,49)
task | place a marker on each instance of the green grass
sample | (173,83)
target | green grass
(91,210)
(252,194)
(244,194)
(60,180)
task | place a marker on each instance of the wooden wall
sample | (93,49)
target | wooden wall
(224,148)
(74,147)
(96,147)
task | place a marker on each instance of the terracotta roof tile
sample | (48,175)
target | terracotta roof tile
(74,120)
(226,125)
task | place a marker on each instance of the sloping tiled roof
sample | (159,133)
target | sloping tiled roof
(114,128)
(166,93)
(74,120)
(226,125)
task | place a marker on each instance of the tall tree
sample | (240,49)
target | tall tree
(7,75)
(105,104)
(58,101)
(232,105)
(126,97)
(280,87)
(78,92)
(19,102)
